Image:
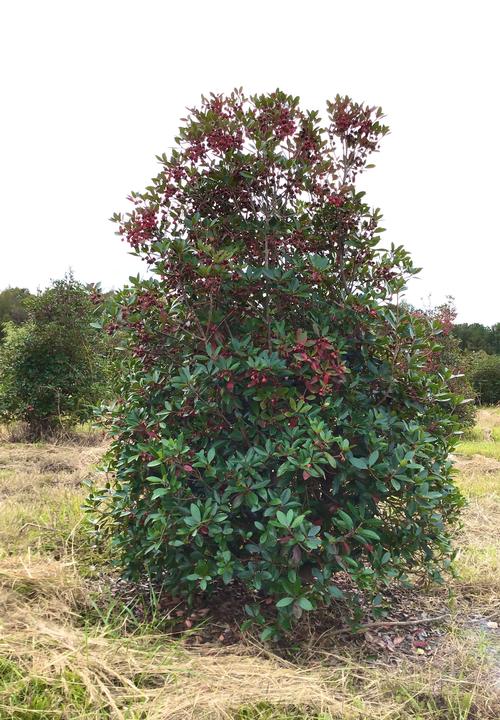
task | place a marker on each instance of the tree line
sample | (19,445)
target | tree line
(477,337)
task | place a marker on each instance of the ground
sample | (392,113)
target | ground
(75,643)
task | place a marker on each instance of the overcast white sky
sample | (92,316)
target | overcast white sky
(92,90)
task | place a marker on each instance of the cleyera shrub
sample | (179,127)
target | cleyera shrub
(280,427)
(12,307)
(51,367)
(448,354)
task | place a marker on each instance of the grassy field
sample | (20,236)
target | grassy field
(484,439)
(71,647)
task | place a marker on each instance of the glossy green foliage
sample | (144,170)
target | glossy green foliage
(280,424)
(12,307)
(51,370)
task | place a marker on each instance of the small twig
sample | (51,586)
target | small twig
(36,525)
(381,624)
(400,623)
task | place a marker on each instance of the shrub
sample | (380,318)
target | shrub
(50,367)
(12,307)
(447,354)
(485,377)
(280,425)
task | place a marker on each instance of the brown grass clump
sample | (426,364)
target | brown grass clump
(53,588)
(488,418)
(29,468)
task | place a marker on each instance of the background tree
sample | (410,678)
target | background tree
(448,355)
(480,347)
(12,307)
(484,373)
(475,336)
(51,367)
(280,427)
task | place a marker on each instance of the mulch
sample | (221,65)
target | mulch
(412,625)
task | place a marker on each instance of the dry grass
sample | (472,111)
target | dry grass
(484,439)
(488,419)
(478,559)
(58,659)
(151,676)
(28,469)
(41,496)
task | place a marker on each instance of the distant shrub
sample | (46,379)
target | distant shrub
(485,377)
(447,354)
(13,307)
(279,424)
(51,367)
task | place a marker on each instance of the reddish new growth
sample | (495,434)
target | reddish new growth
(319,363)
(278,427)
(257,182)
